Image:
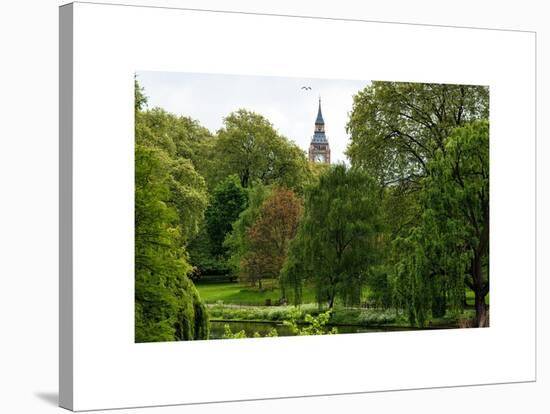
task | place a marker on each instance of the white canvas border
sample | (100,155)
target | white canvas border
(112,42)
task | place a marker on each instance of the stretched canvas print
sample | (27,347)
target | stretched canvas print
(258,206)
(271,206)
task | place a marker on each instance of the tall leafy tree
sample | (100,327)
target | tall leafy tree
(450,247)
(237,241)
(270,235)
(400,134)
(227,201)
(337,240)
(249,146)
(188,196)
(167,305)
(170,198)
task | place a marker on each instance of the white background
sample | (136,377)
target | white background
(105,61)
(29,223)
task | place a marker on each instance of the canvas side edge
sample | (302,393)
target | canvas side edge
(66,206)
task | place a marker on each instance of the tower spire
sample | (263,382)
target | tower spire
(319,119)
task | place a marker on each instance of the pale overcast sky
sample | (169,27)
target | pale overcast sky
(210,97)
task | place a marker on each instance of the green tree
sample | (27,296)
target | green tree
(167,305)
(153,130)
(401,132)
(188,196)
(294,272)
(227,201)
(181,137)
(140,100)
(396,127)
(237,241)
(170,198)
(338,236)
(202,259)
(450,247)
(250,147)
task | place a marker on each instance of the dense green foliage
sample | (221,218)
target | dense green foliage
(246,155)
(396,127)
(237,241)
(429,145)
(450,246)
(338,236)
(314,325)
(380,287)
(207,251)
(338,315)
(202,259)
(170,197)
(167,304)
(227,201)
(251,148)
(298,323)
(270,235)
(228,334)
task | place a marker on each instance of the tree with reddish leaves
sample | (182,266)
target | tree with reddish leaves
(270,235)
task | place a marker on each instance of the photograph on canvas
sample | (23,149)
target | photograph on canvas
(278,206)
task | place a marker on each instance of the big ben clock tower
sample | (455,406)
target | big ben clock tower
(319,150)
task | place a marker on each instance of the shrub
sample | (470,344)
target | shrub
(314,325)
(228,334)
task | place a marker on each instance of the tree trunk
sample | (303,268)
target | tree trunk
(482,287)
(245,178)
(480,291)
(481,310)
(331,300)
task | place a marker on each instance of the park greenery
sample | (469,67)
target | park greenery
(236,225)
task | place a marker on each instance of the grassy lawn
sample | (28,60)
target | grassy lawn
(243,294)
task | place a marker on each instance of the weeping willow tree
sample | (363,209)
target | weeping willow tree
(449,249)
(293,272)
(337,238)
(428,278)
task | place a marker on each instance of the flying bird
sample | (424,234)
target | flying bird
(307,88)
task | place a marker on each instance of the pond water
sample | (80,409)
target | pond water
(217,328)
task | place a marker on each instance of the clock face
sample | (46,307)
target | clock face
(319,158)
